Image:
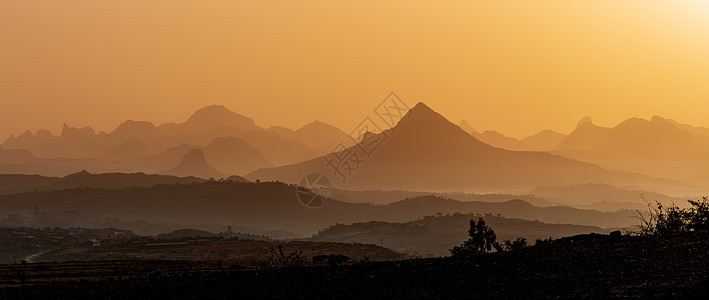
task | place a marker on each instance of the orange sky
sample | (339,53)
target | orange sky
(512,66)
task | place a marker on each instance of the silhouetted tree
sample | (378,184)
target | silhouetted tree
(482,239)
(516,245)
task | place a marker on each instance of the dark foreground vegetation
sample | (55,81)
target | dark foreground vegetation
(590,266)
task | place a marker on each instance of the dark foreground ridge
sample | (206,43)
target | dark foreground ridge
(584,266)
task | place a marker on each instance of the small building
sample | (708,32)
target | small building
(95,243)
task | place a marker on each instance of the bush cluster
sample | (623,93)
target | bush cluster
(662,220)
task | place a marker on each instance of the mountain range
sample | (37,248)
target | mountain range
(425,151)
(233,143)
(657,147)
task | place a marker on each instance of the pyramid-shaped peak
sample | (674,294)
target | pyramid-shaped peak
(422,125)
(423,116)
(422,107)
(421,111)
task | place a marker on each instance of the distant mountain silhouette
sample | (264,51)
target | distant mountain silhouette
(496,139)
(318,135)
(424,151)
(144,131)
(274,148)
(692,129)
(657,147)
(84,148)
(77,133)
(73,143)
(194,164)
(586,194)
(634,136)
(493,138)
(545,140)
(229,155)
(213,116)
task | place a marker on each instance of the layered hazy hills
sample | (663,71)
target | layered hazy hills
(227,155)
(273,206)
(545,140)
(424,143)
(603,197)
(634,136)
(657,147)
(231,142)
(424,151)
